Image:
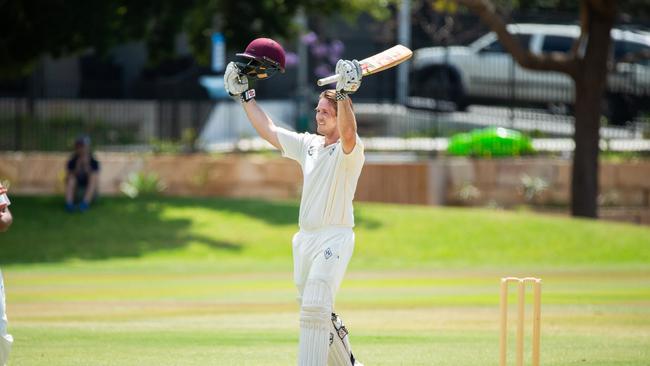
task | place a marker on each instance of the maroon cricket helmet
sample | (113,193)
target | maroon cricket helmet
(265,51)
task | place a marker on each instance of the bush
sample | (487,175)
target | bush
(491,141)
(142,184)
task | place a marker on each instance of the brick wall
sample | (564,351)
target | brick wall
(440,181)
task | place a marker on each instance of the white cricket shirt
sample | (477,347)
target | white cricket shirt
(329,178)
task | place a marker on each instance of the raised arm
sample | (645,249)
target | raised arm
(350,74)
(347,124)
(237,85)
(262,122)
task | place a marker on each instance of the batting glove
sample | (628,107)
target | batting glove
(350,74)
(234,82)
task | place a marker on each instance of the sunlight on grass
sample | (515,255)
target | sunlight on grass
(388,236)
(180,281)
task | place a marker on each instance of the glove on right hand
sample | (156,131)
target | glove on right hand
(234,82)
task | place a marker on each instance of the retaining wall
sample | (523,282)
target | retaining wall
(443,181)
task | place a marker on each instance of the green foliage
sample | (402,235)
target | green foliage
(628,8)
(166,146)
(623,156)
(63,27)
(142,185)
(185,145)
(491,141)
(378,9)
(533,187)
(468,193)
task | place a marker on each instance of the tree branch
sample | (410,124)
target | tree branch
(604,8)
(555,61)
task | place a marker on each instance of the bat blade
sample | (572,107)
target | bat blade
(377,63)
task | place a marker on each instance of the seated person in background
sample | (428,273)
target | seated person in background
(81,181)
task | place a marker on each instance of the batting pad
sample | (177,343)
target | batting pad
(315,323)
(5,347)
(5,339)
(340,353)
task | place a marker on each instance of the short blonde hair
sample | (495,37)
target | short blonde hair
(330,95)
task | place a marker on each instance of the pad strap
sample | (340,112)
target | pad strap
(248,95)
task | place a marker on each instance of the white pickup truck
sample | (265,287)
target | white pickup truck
(485,72)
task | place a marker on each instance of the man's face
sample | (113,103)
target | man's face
(325,117)
(81,149)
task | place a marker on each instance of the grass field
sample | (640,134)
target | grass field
(208,282)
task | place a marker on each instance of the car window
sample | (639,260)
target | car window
(623,48)
(494,47)
(497,47)
(557,44)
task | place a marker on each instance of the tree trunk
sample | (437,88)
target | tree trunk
(590,83)
(584,181)
(588,68)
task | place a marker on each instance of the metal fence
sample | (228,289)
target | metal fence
(495,93)
(174,125)
(54,124)
(125,107)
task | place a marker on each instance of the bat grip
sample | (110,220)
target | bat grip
(328,80)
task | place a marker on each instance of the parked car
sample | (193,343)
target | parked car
(485,72)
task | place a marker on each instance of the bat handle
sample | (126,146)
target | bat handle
(328,80)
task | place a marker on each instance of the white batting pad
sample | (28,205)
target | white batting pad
(5,339)
(5,347)
(315,313)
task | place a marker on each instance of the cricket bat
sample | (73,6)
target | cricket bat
(376,63)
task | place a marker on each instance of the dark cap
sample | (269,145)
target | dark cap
(82,141)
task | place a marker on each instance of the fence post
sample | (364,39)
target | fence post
(175,127)
(513,97)
(17,133)
(160,118)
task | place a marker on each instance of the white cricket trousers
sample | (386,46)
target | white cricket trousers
(320,258)
(322,254)
(5,339)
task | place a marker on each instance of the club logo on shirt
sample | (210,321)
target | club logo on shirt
(328,253)
(311,149)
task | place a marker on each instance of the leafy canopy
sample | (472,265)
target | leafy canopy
(33,28)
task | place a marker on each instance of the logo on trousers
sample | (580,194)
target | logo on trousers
(328,253)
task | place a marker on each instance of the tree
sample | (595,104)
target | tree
(587,65)
(33,28)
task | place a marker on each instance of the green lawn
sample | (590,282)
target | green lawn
(175,281)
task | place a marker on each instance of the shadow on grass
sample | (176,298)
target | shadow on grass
(271,212)
(115,227)
(121,227)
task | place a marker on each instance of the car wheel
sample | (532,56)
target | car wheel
(442,84)
(619,109)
